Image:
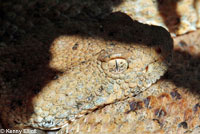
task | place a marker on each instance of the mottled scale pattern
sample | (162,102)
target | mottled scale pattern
(86,82)
(161,109)
(171,105)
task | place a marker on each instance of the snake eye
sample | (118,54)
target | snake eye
(114,61)
(117,65)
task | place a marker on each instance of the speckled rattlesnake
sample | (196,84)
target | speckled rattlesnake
(112,58)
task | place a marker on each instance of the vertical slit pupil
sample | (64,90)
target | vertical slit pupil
(116,64)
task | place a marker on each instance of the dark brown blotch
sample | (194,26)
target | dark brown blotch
(82,62)
(183,124)
(75,46)
(196,107)
(147,102)
(175,95)
(101,89)
(164,95)
(78,105)
(158,121)
(159,112)
(135,105)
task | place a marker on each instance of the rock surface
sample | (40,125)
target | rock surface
(178,16)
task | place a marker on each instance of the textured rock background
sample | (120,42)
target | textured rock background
(178,16)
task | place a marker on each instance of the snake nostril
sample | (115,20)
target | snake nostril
(158,50)
(146,68)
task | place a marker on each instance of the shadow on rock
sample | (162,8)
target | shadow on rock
(169,13)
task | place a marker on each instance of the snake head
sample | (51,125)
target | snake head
(132,69)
